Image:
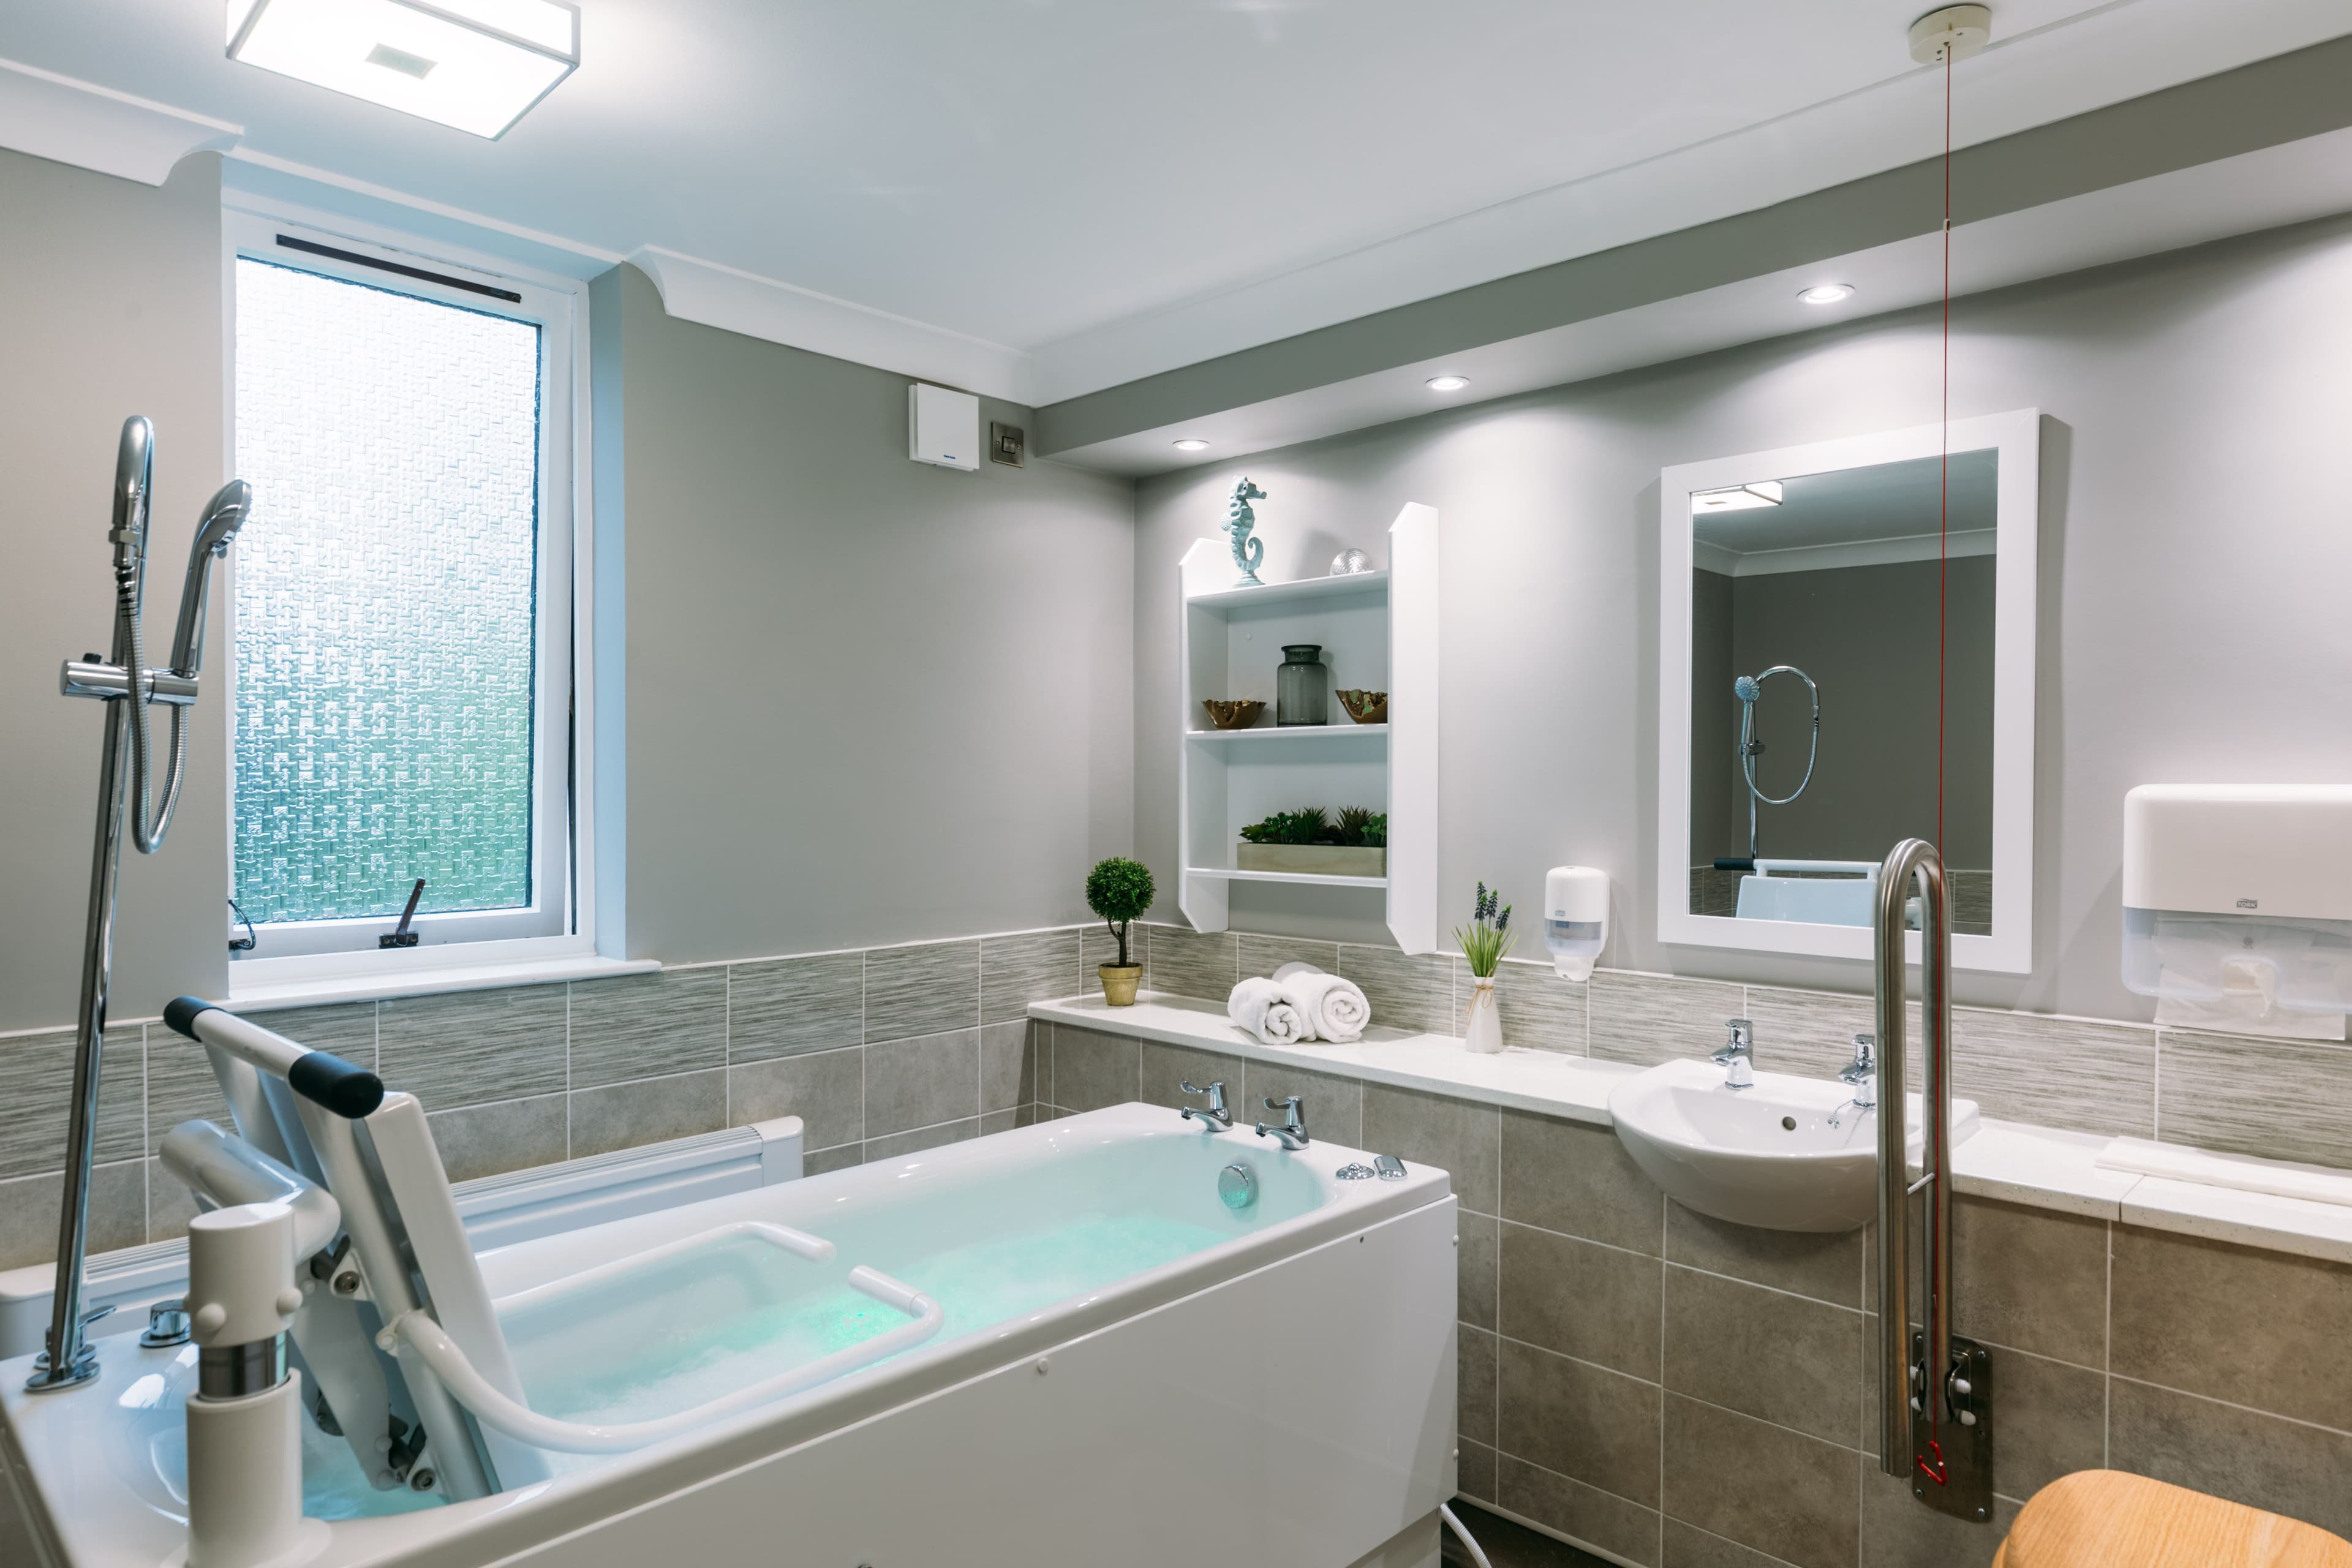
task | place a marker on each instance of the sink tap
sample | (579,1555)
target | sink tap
(1213,1117)
(1861,1075)
(1738,1058)
(1291,1130)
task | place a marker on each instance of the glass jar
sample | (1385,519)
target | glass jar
(1302,685)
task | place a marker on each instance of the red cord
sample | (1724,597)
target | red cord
(1944,481)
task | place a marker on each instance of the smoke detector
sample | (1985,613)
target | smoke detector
(1955,32)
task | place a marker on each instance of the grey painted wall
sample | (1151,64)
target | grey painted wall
(113,308)
(1866,634)
(868,701)
(2194,551)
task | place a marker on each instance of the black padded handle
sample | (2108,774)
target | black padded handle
(180,1012)
(326,1079)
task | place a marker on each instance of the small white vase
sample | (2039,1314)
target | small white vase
(1483,1032)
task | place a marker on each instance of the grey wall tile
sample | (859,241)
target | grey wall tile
(995,1122)
(170,1204)
(1014,971)
(1098,946)
(1593,1302)
(2030,1280)
(1473,1471)
(37,1087)
(1040,1041)
(1459,1136)
(840,1158)
(1008,1064)
(1168,1069)
(29,1207)
(1415,993)
(2059,1072)
(1193,963)
(2185,1315)
(1762,1485)
(1333,1105)
(1827,1268)
(468,1046)
(1652,1018)
(1570,1507)
(922,1082)
(179,1086)
(927,989)
(650,1110)
(1264,954)
(1898,1531)
(1812,1032)
(1540,1010)
(1784,1359)
(827,1089)
(787,1006)
(900,1144)
(2281,1100)
(1579,1180)
(1474,1385)
(1591,1425)
(2259,1460)
(639,1024)
(1092,1070)
(347,1029)
(1477,1268)
(2052,1422)
(504,1135)
(1688,1546)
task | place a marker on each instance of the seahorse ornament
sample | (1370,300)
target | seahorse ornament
(1248,552)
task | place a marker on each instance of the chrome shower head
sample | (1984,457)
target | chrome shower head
(1746,689)
(135,469)
(224,515)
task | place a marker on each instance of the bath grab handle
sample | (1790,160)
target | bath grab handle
(525,1424)
(324,1080)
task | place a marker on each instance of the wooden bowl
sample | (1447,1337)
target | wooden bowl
(1366,707)
(1233,712)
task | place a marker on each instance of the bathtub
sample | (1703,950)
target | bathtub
(1128,1371)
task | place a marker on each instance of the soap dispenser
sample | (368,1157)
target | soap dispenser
(1576,919)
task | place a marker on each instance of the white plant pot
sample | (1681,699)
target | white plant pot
(1482,1031)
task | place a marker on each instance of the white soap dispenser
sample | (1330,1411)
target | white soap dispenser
(1576,919)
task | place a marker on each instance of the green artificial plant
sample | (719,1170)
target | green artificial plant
(1489,935)
(1120,890)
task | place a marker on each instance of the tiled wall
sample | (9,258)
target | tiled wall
(880,1052)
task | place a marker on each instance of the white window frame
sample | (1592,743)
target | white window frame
(557,934)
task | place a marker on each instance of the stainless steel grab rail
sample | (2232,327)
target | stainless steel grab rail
(1913,859)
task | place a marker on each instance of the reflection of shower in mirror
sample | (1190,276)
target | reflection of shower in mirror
(1747,689)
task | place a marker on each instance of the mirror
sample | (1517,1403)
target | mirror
(1798,693)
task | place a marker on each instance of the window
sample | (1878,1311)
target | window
(402,609)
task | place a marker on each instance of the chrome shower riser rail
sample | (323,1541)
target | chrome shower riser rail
(1934,1394)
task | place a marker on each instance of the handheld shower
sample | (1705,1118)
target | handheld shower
(1747,689)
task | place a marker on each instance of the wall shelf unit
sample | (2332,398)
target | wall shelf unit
(1379,631)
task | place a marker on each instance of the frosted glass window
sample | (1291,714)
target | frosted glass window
(387,600)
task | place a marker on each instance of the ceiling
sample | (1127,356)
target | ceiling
(1081,192)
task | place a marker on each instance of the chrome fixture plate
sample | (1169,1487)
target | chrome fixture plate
(1965,1452)
(1354,1171)
(1389,1167)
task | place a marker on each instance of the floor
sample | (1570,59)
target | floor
(1509,1545)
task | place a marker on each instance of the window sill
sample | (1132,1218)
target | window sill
(279,988)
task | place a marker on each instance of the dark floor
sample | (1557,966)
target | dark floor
(1509,1545)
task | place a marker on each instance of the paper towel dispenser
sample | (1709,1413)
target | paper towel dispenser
(2239,897)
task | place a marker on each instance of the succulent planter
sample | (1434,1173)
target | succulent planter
(1313,860)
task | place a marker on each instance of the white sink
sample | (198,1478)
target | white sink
(1766,1155)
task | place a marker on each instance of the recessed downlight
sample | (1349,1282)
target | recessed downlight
(1827,293)
(1191,444)
(1448,383)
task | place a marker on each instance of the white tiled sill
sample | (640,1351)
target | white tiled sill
(2014,1161)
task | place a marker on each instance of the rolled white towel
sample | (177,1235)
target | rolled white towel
(1258,1005)
(1334,1008)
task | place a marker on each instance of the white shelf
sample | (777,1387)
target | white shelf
(1318,733)
(1296,878)
(1289,593)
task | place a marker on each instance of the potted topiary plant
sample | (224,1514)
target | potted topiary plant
(1120,890)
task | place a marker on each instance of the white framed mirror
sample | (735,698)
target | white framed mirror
(1798,696)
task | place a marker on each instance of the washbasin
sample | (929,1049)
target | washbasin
(1784,1154)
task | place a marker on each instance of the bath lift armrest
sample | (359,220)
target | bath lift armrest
(519,1421)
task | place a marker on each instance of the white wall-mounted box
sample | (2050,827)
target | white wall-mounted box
(942,426)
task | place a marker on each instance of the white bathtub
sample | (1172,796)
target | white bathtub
(1129,1373)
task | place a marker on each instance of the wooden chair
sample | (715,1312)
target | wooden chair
(2103,1518)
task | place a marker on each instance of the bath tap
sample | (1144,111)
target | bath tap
(1738,1058)
(1213,1117)
(1291,1130)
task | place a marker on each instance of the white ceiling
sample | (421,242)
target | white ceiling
(1102,189)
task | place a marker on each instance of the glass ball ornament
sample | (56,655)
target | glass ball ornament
(1347,562)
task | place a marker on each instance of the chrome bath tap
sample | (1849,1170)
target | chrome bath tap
(1213,1117)
(1737,1056)
(1291,1130)
(1861,1075)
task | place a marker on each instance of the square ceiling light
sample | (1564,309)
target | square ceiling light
(1738,497)
(478,65)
